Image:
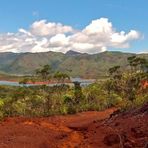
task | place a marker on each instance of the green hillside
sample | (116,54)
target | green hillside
(75,64)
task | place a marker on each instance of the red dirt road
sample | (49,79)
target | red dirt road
(52,132)
(83,130)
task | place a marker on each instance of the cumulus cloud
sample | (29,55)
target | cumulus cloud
(44,36)
(44,28)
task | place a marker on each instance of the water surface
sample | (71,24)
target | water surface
(84,82)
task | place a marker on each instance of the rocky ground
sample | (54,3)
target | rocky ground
(83,130)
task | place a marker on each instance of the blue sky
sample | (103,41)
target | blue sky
(125,15)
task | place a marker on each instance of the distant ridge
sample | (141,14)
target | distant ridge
(72,53)
(74,63)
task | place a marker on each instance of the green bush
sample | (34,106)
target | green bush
(1,108)
(114,99)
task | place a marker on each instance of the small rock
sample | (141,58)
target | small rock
(111,139)
(128,145)
(138,133)
(117,124)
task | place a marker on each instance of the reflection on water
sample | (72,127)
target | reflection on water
(84,82)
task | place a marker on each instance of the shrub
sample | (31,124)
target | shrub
(114,99)
(1,108)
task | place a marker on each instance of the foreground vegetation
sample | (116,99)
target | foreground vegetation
(124,89)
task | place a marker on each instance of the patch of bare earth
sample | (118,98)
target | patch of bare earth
(82,130)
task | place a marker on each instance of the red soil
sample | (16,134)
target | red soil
(48,82)
(144,84)
(39,82)
(83,130)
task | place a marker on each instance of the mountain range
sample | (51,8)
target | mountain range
(74,63)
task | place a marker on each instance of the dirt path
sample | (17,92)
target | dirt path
(82,130)
(53,132)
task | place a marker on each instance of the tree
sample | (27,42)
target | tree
(78,95)
(132,62)
(61,77)
(128,84)
(44,72)
(115,82)
(114,69)
(138,63)
(24,81)
(144,65)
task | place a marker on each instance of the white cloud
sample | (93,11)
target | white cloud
(44,36)
(99,26)
(59,40)
(43,28)
(23,31)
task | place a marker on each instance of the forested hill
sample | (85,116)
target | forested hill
(73,63)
